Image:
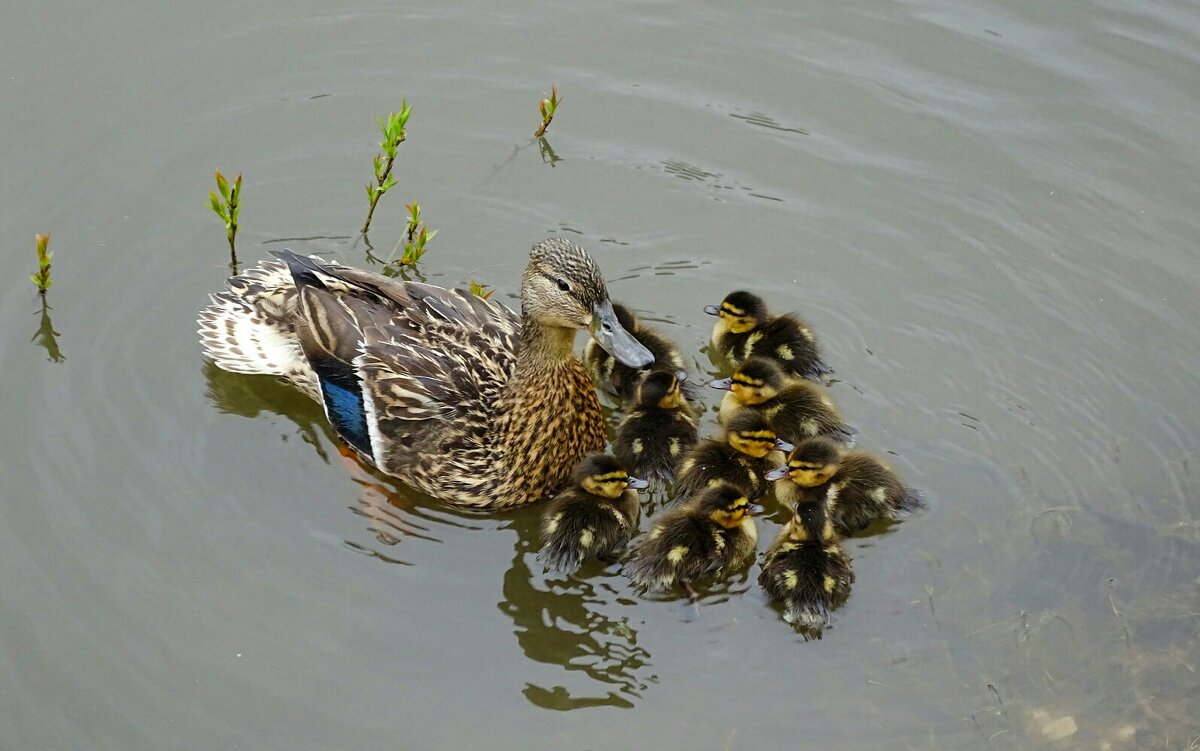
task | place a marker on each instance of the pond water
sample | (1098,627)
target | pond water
(987,210)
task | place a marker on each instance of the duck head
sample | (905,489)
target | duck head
(563,288)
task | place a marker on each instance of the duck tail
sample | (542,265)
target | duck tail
(248,327)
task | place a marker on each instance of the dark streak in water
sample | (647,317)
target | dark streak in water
(769,198)
(319,96)
(765,121)
(305,239)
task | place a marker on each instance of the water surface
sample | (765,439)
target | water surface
(986,210)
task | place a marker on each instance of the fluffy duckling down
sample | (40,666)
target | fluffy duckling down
(711,535)
(745,329)
(658,431)
(796,409)
(741,456)
(806,569)
(594,517)
(858,487)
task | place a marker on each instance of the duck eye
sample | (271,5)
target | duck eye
(564,285)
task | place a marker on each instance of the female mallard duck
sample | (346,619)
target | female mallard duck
(796,409)
(620,379)
(857,487)
(659,430)
(746,450)
(710,535)
(745,328)
(593,518)
(806,569)
(453,394)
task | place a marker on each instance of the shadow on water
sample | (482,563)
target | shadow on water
(46,337)
(569,621)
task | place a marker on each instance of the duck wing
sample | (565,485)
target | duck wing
(392,356)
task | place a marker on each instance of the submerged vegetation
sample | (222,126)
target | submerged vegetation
(393,135)
(42,277)
(226,206)
(548,106)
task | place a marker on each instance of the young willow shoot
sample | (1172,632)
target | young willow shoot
(548,107)
(416,237)
(393,135)
(481,290)
(226,206)
(42,277)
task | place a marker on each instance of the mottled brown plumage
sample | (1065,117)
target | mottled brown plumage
(453,394)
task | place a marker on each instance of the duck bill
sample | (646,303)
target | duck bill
(724,384)
(615,340)
(712,310)
(777,474)
(784,446)
(681,375)
(755,509)
(636,484)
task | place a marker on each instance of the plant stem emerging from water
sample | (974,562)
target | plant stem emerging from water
(227,206)
(42,277)
(547,106)
(393,135)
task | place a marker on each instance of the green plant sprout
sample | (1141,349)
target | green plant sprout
(415,242)
(481,290)
(42,277)
(393,135)
(548,107)
(227,207)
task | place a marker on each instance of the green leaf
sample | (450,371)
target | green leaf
(223,185)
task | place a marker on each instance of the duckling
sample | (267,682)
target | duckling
(620,379)
(741,456)
(745,328)
(796,409)
(712,534)
(654,436)
(806,569)
(592,518)
(857,486)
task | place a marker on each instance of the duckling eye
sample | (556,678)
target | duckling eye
(564,285)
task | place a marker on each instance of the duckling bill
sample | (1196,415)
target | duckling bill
(659,430)
(594,517)
(745,328)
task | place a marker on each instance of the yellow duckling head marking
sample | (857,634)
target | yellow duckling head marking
(754,382)
(603,476)
(813,462)
(749,433)
(724,505)
(660,388)
(738,313)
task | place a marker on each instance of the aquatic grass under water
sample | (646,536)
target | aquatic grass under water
(392,129)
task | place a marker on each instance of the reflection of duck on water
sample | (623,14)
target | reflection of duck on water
(573,624)
(392,514)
